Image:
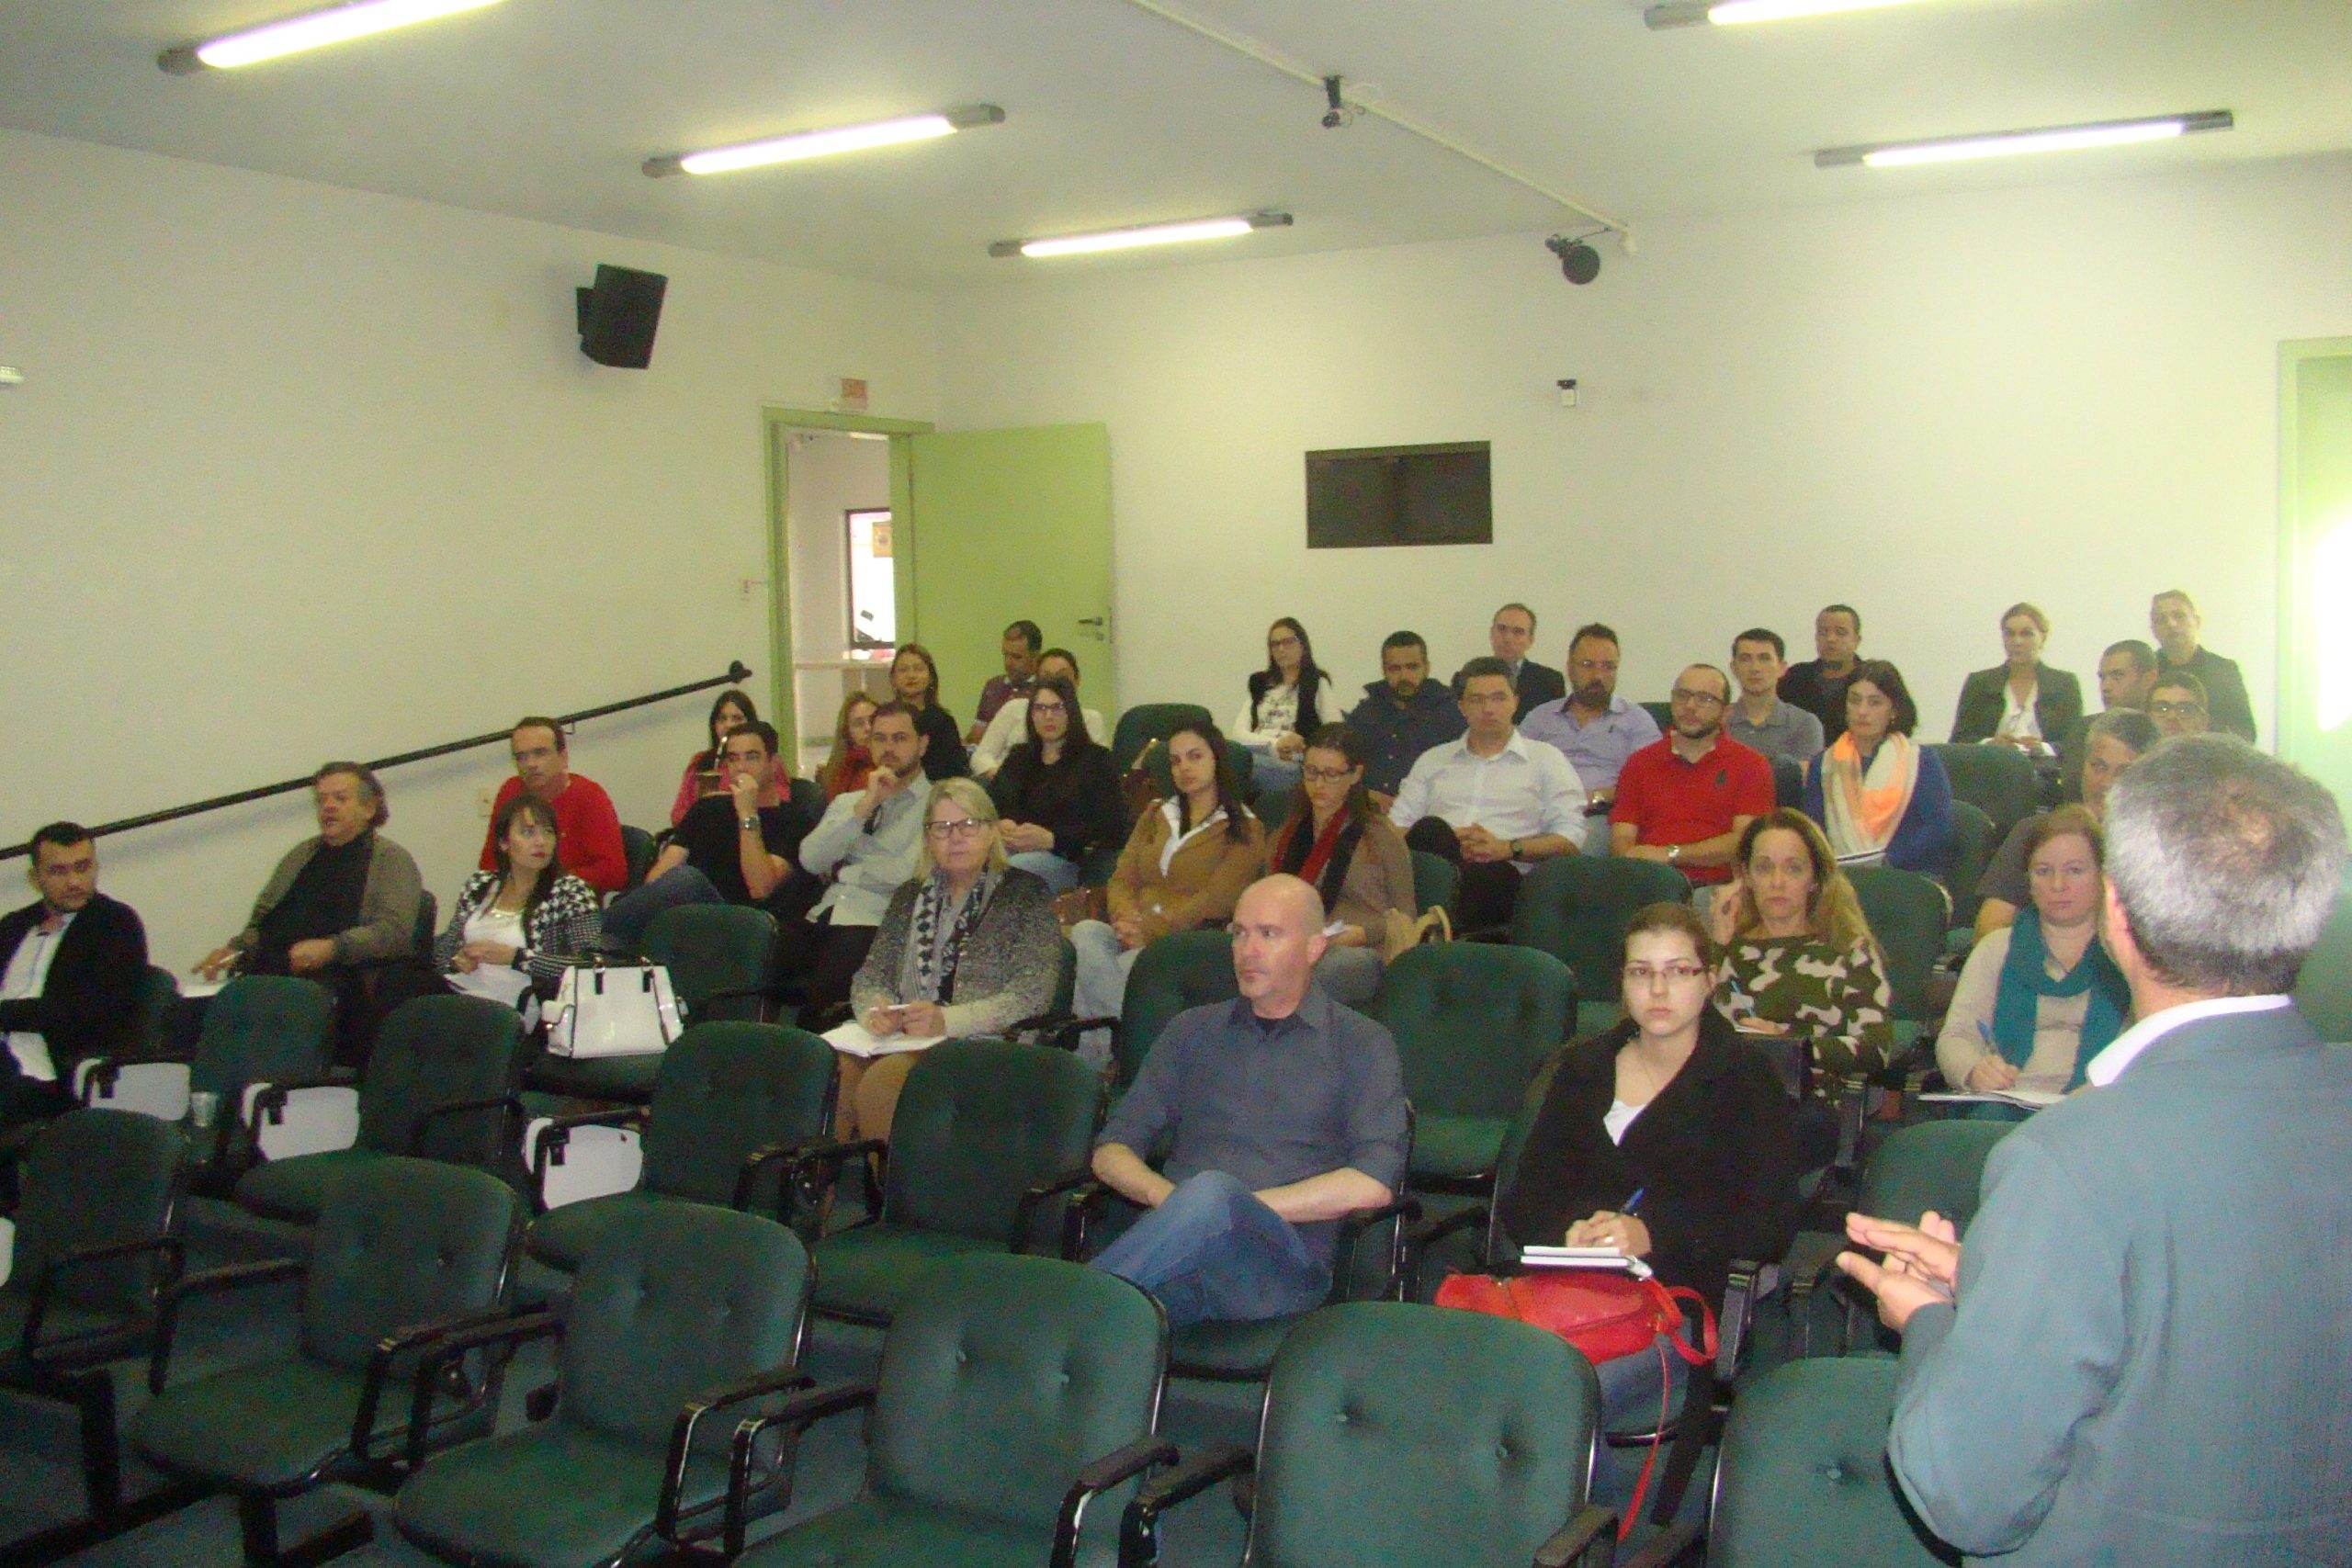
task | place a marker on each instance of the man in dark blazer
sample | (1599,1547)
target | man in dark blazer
(1510,636)
(2138,1356)
(70,966)
(2173,616)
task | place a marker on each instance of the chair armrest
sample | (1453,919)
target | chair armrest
(37,1302)
(490,1326)
(1404,1208)
(1580,1538)
(759,1159)
(513,1104)
(1747,1284)
(1024,1213)
(1113,1468)
(682,1437)
(830,1155)
(269,1099)
(799,1413)
(1139,1527)
(739,993)
(546,1152)
(210,1281)
(1462,1219)
(1674,1545)
(1088,1200)
(1492,934)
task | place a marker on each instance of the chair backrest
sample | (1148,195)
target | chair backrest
(1662,714)
(808,799)
(1151,721)
(437,1051)
(156,993)
(1003,1376)
(401,1242)
(672,1301)
(1972,850)
(96,1178)
(1531,1105)
(725,1090)
(1437,883)
(422,930)
(1908,914)
(1788,783)
(1396,1434)
(2325,989)
(1999,781)
(637,849)
(1803,1476)
(1929,1165)
(1064,980)
(1575,907)
(1472,1022)
(262,1028)
(979,1122)
(1273,808)
(1181,970)
(710,948)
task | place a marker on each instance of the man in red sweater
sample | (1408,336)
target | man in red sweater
(588,831)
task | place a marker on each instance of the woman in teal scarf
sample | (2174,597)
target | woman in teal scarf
(2038,1001)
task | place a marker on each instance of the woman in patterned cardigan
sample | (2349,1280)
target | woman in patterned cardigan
(514,930)
(1798,957)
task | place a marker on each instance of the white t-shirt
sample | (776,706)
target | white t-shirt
(1619,1117)
(501,982)
(27,974)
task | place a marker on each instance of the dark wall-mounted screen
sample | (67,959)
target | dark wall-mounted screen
(1400,495)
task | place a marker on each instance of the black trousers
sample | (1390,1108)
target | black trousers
(1489,888)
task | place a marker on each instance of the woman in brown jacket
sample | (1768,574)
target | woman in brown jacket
(1185,865)
(1336,841)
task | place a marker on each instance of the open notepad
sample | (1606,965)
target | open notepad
(2032,1098)
(855,1040)
(1583,1258)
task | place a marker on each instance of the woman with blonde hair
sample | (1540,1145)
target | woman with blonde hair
(969,946)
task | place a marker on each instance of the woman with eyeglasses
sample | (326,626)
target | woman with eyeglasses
(1351,855)
(1664,1138)
(1289,699)
(1057,793)
(969,947)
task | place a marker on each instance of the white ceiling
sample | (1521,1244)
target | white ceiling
(545,109)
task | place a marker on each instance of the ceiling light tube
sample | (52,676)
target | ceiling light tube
(823,144)
(1148,234)
(1729,13)
(314,31)
(2007,144)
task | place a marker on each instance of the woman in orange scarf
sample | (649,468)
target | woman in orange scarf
(1881,797)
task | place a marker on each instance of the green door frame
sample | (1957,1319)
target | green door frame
(2298,673)
(780,423)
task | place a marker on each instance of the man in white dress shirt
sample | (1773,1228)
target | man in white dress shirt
(1493,802)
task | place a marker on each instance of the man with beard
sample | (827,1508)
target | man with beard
(1594,727)
(1685,799)
(1401,716)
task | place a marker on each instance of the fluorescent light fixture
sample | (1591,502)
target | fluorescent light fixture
(2005,143)
(1728,13)
(823,144)
(314,31)
(1149,234)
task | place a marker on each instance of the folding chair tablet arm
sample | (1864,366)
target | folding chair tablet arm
(547,1150)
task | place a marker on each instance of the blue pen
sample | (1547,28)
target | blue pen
(1635,1201)
(1984,1033)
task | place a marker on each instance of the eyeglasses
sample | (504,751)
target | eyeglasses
(1285,640)
(1643,974)
(1035,706)
(1696,699)
(962,828)
(1314,774)
(2174,710)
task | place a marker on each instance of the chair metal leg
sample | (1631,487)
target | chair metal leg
(258,1523)
(101,1442)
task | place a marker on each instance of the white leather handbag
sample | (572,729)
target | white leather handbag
(621,1009)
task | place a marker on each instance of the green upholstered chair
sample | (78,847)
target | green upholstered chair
(95,1237)
(721,959)
(2325,989)
(1181,970)
(1928,1165)
(679,1318)
(258,1028)
(440,1085)
(1472,1023)
(986,1133)
(1803,1478)
(1437,883)
(1147,722)
(403,1250)
(1999,781)
(1972,850)
(731,1101)
(1395,1435)
(637,849)
(1273,808)
(808,799)
(1012,1392)
(1661,714)
(1910,915)
(1575,907)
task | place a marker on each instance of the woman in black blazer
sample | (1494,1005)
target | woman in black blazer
(1995,704)
(1666,1137)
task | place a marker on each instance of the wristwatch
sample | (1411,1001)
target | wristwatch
(749,824)
(1514,849)
(1674,854)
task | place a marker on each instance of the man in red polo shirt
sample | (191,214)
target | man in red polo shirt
(588,831)
(1684,797)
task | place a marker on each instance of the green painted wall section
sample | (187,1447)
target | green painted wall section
(2315,587)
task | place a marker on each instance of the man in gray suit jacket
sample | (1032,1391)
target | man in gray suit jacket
(2138,1359)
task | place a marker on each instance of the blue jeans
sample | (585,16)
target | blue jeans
(1268,772)
(627,916)
(1213,1251)
(1059,875)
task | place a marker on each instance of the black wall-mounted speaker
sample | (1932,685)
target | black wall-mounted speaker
(617,316)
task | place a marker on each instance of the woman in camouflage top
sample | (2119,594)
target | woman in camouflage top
(1798,957)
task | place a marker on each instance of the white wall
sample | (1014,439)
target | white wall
(1929,408)
(828,476)
(301,472)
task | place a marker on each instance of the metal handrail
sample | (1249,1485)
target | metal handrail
(737,673)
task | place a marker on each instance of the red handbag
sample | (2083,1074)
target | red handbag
(1606,1315)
